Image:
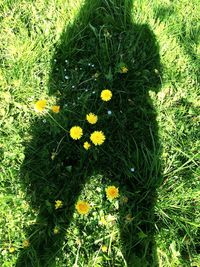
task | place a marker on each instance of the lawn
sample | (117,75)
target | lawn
(99,133)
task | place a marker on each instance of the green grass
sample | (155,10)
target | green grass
(153,128)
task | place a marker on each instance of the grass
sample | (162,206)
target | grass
(48,49)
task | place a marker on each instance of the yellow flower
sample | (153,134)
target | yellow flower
(106,95)
(58,204)
(40,105)
(104,248)
(91,118)
(97,138)
(56,230)
(76,132)
(11,249)
(124,69)
(82,207)
(26,243)
(55,109)
(86,145)
(103,221)
(112,192)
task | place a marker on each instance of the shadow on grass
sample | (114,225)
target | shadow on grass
(87,60)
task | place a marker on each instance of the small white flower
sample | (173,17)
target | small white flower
(65,69)
(80,68)
(44,121)
(54,60)
(4,252)
(66,61)
(132,169)
(89,64)
(66,77)
(93,92)
(78,98)
(98,189)
(86,90)
(110,218)
(109,112)
(92,65)
(73,86)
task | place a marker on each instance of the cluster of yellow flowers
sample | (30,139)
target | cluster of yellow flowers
(97,137)
(40,106)
(83,207)
(76,132)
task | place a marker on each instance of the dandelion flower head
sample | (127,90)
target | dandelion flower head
(104,248)
(124,69)
(97,138)
(76,132)
(55,109)
(82,207)
(40,105)
(86,145)
(11,249)
(56,230)
(106,95)
(112,192)
(102,221)
(58,204)
(26,243)
(91,118)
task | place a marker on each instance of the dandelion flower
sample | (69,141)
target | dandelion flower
(97,138)
(26,243)
(55,109)
(104,248)
(82,207)
(86,145)
(56,230)
(76,132)
(40,105)
(106,95)
(58,204)
(11,249)
(102,221)
(91,118)
(124,69)
(112,192)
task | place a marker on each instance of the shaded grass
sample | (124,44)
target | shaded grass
(131,132)
(25,60)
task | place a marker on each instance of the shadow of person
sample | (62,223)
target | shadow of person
(91,55)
